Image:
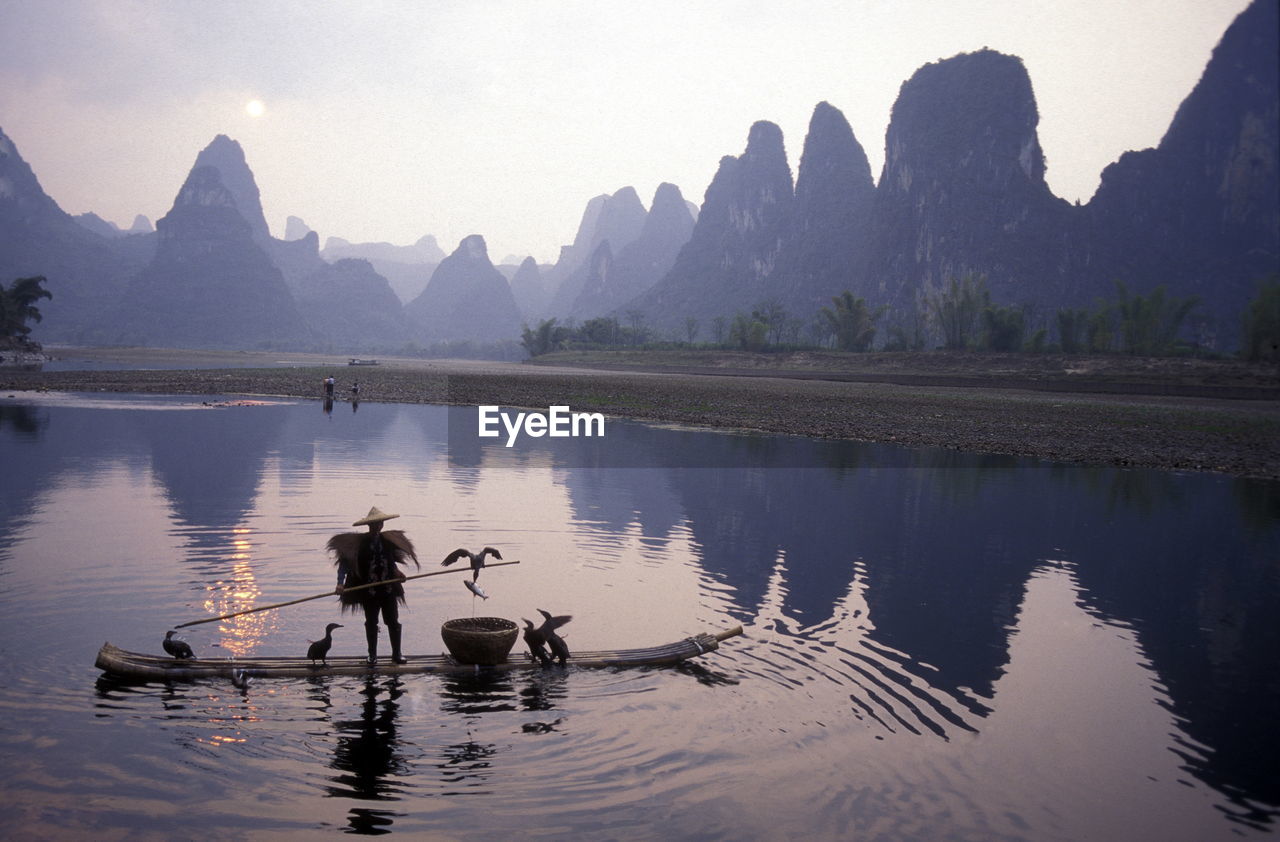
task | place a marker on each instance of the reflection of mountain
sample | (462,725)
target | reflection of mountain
(210,463)
(66,445)
(616,500)
(1200,587)
(946,549)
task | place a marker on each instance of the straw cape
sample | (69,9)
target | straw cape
(352,550)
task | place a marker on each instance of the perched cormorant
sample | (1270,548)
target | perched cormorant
(537,643)
(320,648)
(176,646)
(559,649)
(477,559)
(545,635)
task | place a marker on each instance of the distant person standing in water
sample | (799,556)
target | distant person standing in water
(373,556)
(328,386)
(355,391)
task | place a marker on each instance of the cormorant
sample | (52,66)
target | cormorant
(320,648)
(477,559)
(545,634)
(177,647)
(537,643)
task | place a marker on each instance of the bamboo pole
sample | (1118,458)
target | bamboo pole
(728,633)
(462,569)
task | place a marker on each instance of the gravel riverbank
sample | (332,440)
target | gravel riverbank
(1171,428)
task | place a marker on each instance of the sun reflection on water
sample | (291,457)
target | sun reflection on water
(239,592)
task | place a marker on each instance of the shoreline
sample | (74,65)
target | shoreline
(1170,423)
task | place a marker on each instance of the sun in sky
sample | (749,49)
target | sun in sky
(255,108)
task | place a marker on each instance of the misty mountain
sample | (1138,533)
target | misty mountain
(211,284)
(736,241)
(98,225)
(349,305)
(296,259)
(227,157)
(610,282)
(425,250)
(616,219)
(407,268)
(85,272)
(963,191)
(295,229)
(466,299)
(528,288)
(107,228)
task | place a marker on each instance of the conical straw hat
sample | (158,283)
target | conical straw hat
(375,514)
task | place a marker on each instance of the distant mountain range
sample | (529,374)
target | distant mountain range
(962,191)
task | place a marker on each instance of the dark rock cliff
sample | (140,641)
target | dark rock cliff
(826,248)
(736,241)
(1201,212)
(963,190)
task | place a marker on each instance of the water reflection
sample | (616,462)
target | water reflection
(369,758)
(211,470)
(899,578)
(22,419)
(238,592)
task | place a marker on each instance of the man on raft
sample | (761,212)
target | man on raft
(373,556)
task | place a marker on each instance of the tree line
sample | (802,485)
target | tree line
(959,317)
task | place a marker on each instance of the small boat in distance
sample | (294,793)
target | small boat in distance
(358,361)
(136,666)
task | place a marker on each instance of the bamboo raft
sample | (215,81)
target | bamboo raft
(133,665)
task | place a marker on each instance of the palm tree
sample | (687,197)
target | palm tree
(18,306)
(851,322)
(958,309)
(1150,324)
(548,336)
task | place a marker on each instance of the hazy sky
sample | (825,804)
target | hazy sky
(390,120)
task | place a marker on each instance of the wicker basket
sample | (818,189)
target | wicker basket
(479,640)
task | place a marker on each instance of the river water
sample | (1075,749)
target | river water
(937,645)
